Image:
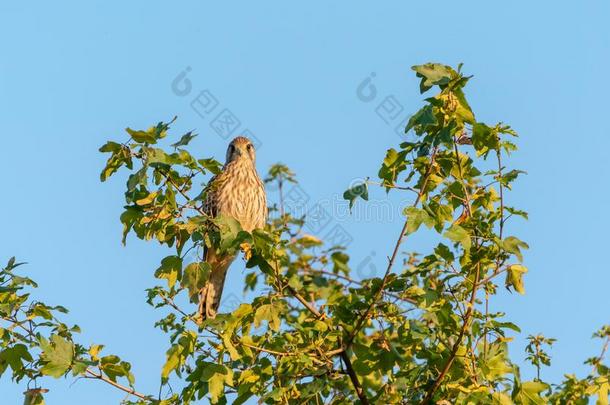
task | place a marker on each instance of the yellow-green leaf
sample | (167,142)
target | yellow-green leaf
(514,277)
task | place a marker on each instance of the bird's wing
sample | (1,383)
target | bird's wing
(210,295)
(210,206)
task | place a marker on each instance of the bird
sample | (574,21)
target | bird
(237,191)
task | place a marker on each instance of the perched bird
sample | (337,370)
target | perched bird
(238,192)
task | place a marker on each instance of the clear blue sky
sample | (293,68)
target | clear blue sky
(74,74)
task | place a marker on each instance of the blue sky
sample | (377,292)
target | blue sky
(74,74)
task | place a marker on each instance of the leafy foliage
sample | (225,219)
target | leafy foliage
(419,333)
(34,343)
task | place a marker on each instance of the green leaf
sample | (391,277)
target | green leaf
(172,361)
(231,233)
(444,252)
(458,234)
(217,376)
(280,172)
(129,217)
(269,313)
(147,199)
(110,147)
(505,325)
(148,136)
(186,138)
(212,165)
(41,310)
(602,393)
(484,138)
(528,393)
(57,355)
(415,217)
(359,190)
(433,74)
(79,367)
(513,245)
(233,353)
(113,367)
(119,157)
(500,398)
(494,364)
(463,110)
(340,261)
(156,156)
(423,118)
(393,164)
(514,211)
(34,396)
(177,354)
(194,278)
(510,176)
(14,357)
(138,178)
(216,387)
(514,277)
(170,269)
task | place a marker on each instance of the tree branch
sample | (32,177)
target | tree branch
(351,280)
(352,375)
(129,390)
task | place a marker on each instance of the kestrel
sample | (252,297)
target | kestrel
(237,192)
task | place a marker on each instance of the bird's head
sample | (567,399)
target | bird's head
(239,149)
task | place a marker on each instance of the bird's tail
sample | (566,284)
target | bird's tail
(211,293)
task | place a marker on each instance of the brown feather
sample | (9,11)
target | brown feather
(238,192)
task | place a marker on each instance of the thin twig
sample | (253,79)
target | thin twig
(351,280)
(601,356)
(374,183)
(493,275)
(179,189)
(284,354)
(352,375)
(172,304)
(128,390)
(303,301)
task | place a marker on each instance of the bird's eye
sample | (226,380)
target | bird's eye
(249,147)
(231,148)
